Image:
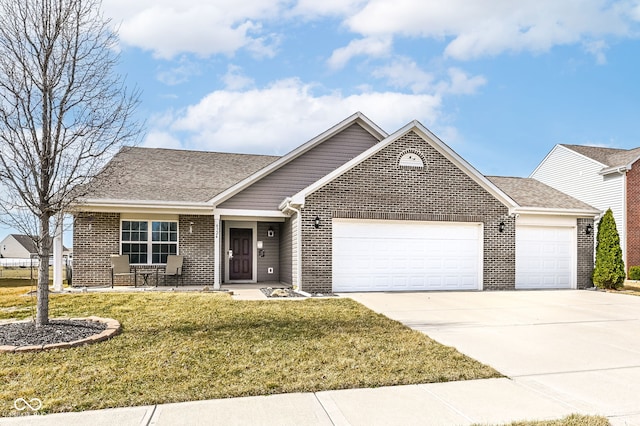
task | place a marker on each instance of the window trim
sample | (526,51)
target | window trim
(149,241)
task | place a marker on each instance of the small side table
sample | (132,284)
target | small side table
(145,273)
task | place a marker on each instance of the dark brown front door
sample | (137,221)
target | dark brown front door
(241,256)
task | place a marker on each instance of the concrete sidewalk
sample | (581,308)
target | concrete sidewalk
(492,401)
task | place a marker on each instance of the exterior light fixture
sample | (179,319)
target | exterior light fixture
(501,227)
(589,229)
(270,232)
(191,227)
(316,222)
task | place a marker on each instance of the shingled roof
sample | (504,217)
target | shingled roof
(610,157)
(26,242)
(528,192)
(157,174)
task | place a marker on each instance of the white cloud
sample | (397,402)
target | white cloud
(278,118)
(460,83)
(405,73)
(373,46)
(314,8)
(235,79)
(597,48)
(180,73)
(161,139)
(490,27)
(204,28)
(470,29)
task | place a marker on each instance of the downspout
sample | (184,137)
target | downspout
(298,241)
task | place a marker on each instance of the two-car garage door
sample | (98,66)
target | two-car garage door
(386,255)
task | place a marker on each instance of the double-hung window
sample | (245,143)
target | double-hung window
(149,241)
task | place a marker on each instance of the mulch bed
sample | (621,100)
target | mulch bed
(57,331)
(287,292)
(280,292)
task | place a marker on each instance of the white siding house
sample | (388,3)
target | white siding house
(16,246)
(583,177)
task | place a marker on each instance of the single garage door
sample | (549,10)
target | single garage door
(545,257)
(385,255)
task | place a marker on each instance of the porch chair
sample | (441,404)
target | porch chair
(173,268)
(120,267)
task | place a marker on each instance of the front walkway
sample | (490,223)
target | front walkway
(238,291)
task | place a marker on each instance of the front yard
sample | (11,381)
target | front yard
(191,346)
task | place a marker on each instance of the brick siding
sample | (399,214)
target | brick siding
(585,253)
(633,217)
(96,236)
(378,188)
(197,249)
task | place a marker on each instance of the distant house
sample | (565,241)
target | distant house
(18,246)
(603,178)
(353,209)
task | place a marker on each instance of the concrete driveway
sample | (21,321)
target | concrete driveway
(581,348)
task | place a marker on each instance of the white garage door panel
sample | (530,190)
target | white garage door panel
(397,256)
(545,257)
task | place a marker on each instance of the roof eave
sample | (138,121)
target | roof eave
(140,206)
(548,211)
(619,169)
(614,170)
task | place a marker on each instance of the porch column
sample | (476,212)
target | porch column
(216,252)
(57,255)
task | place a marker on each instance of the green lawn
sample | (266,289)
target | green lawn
(191,346)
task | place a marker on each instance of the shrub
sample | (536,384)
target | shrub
(634,273)
(609,270)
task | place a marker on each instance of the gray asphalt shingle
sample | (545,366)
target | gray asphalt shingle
(528,192)
(157,174)
(610,157)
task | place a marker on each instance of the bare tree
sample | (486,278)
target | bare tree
(64,111)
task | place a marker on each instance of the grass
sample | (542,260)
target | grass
(632,287)
(192,346)
(12,272)
(572,420)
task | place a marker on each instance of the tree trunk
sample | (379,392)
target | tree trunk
(42,309)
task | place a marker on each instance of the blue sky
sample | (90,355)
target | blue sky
(499,81)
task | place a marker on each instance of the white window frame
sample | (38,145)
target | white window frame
(150,241)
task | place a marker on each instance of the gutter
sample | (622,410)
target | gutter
(611,170)
(286,205)
(115,205)
(557,212)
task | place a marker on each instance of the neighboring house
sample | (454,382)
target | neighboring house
(604,178)
(353,209)
(17,246)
